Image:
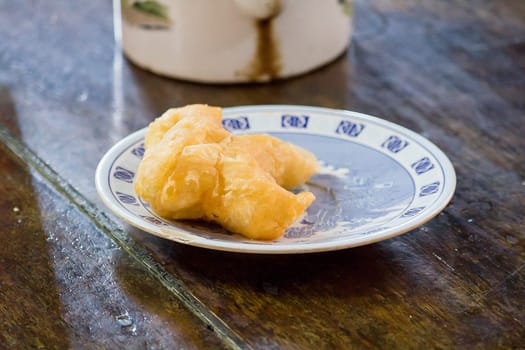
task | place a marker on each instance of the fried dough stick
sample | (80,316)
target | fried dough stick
(193,168)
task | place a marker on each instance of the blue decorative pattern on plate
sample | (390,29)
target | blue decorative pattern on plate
(378,180)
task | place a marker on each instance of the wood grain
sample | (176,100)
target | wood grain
(451,70)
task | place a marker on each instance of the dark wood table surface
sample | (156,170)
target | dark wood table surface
(72,275)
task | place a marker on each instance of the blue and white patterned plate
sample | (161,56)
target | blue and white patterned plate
(378,180)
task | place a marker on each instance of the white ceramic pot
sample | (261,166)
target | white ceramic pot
(230,41)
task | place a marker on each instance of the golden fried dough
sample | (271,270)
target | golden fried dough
(194,126)
(250,201)
(194,169)
(158,128)
(290,165)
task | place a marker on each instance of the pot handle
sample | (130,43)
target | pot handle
(260,9)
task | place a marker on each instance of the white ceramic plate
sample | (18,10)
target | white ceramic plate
(378,180)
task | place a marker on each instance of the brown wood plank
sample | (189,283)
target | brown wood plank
(63,284)
(451,70)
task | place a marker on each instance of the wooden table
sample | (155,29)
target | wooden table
(74,276)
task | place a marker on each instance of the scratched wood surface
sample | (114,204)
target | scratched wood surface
(63,284)
(451,70)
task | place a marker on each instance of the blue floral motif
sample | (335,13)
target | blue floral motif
(240,123)
(348,128)
(123,174)
(394,144)
(429,189)
(423,165)
(294,121)
(413,211)
(153,220)
(138,151)
(127,198)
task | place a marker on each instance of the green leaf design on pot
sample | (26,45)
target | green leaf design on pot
(347,6)
(148,14)
(151,7)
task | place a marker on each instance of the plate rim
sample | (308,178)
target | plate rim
(185,237)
